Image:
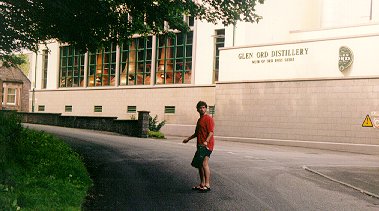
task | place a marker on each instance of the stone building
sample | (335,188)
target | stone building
(15,87)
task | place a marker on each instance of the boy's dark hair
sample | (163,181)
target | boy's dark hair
(201,103)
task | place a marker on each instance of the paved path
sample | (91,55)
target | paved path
(146,174)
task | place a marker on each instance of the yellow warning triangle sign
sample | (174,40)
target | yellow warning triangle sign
(367,122)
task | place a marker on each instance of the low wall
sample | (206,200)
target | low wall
(136,128)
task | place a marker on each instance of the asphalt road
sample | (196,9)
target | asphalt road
(145,174)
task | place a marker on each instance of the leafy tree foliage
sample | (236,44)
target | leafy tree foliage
(87,24)
(12,60)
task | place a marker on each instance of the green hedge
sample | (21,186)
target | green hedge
(37,170)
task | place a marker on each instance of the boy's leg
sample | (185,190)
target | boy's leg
(202,177)
(207,172)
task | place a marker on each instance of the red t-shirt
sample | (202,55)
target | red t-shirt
(204,126)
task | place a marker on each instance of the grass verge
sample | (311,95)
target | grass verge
(38,171)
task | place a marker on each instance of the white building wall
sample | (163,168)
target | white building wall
(345,12)
(279,18)
(38,76)
(204,52)
(375,10)
(53,66)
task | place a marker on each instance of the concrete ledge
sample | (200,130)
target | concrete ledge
(343,147)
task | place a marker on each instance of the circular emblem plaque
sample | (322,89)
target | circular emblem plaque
(346,58)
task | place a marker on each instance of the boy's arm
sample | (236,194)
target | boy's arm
(210,134)
(189,138)
(210,127)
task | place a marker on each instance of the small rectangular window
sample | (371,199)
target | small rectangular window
(2,95)
(98,108)
(132,109)
(219,38)
(11,98)
(190,21)
(169,109)
(45,59)
(68,108)
(212,110)
(41,108)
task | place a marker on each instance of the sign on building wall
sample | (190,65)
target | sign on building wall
(332,58)
(346,58)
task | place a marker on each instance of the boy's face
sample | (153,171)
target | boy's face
(202,110)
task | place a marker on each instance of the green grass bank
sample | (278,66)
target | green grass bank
(37,170)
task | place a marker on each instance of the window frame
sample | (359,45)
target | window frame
(168,54)
(45,62)
(68,108)
(41,107)
(132,109)
(104,72)
(98,109)
(219,39)
(67,67)
(142,57)
(12,95)
(169,110)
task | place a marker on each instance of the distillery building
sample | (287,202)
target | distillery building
(306,75)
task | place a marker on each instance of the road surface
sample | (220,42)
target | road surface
(146,174)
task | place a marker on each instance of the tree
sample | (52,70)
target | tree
(88,24)
(12,60)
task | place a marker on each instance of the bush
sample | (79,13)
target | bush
(154,125)
(10,130)
(156,134)
(38,171)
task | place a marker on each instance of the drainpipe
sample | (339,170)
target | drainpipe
(35,79)
(371,10)
(234,33)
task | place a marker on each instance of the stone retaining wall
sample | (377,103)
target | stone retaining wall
(136,128)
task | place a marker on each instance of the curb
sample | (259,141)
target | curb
(342,183)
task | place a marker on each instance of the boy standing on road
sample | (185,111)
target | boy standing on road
(204,134)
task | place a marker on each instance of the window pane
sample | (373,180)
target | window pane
(189,38)
(179,40)
(189,51)
(179,52)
